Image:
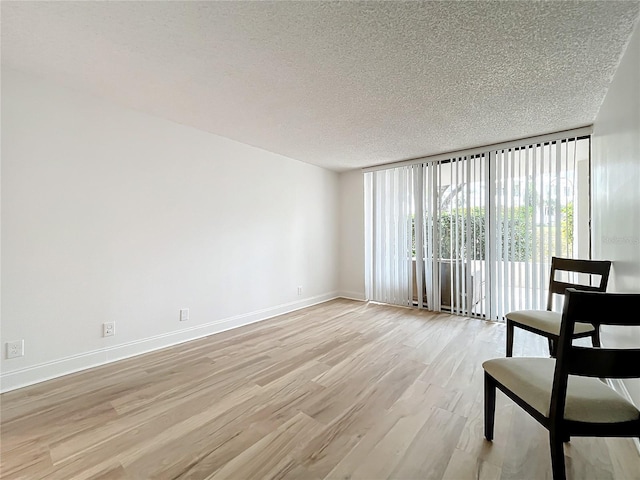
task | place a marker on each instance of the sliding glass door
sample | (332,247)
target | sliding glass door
(453,228)
(474,235)
(540,209)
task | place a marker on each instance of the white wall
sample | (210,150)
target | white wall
(616,188)
(352,234)
(113,215)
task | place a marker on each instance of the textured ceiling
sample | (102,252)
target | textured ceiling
(336,84)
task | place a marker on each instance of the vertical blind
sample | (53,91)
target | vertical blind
(452,223)
(391,204)
(473,235)
(534,220)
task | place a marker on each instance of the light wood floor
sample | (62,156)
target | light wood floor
(340,390)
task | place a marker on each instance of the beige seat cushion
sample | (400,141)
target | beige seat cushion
(588,399)
(545,321)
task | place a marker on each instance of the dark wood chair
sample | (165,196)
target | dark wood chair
(566,395)
(547,322)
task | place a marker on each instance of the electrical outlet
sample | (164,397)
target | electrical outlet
(299,290)
(108,329)
(15,349)
(184,314)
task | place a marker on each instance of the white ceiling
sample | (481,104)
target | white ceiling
(336,84)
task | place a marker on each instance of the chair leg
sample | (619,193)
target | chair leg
(489,405)
(553,347)
(595,337)
(509,338)
(557,456)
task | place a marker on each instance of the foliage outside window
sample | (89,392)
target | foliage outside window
(517,228)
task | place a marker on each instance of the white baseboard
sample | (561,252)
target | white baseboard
(619,386)
(83,361)
(351,295)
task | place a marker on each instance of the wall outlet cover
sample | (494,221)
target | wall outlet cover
(15,349)
(108,329)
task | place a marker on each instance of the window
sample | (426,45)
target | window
(475,234)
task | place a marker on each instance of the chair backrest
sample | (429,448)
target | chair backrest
(598,307)
(591,267)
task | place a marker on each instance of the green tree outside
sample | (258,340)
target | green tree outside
(516,231)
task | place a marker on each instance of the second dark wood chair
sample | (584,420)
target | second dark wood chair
(546,322)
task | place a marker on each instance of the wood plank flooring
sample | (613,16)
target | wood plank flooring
(341,390)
